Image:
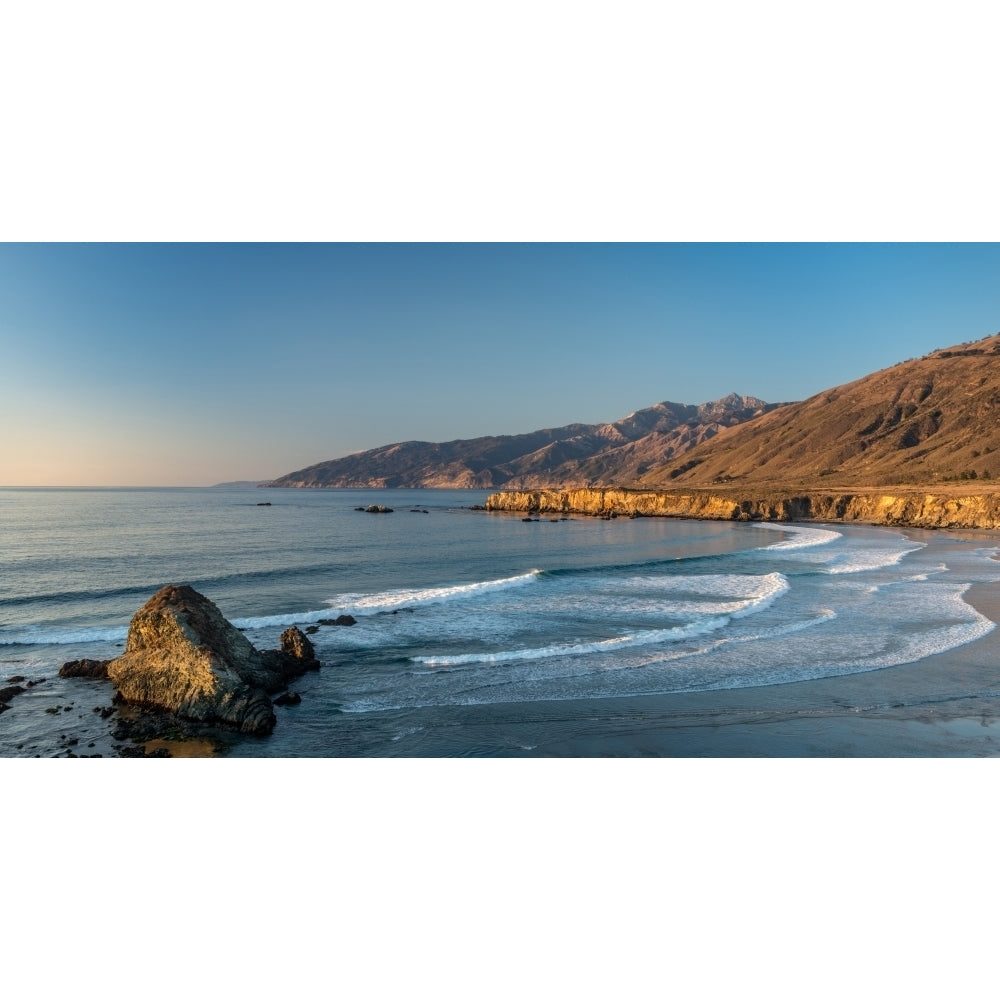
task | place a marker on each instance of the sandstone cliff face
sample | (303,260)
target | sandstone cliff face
(183,656)
(919,510)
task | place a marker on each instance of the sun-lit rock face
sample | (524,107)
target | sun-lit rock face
(182,655)
(913,508)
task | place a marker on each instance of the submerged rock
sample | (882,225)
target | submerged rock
(182,655)
(9,692)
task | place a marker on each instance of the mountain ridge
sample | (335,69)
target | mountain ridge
(922,422)
(577,454)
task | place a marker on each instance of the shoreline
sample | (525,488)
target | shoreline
(945,704)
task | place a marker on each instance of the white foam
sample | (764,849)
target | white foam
(281,621)
(641,638)
(827,625)
(38,636)
(711,584)
(755,586)
(858,558)
(939,640)
(971,626)
(865,560)
(802,538)
(768,589)
(825,615)
(874,588)
(394,599)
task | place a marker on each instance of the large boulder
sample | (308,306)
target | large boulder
(182,655)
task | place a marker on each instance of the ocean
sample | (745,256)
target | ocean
(481,634)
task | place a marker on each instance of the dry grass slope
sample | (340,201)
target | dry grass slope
(578,454)
(925,422)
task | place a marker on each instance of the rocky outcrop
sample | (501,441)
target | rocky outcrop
(89,669)
(339,620)
(183,656)
(914,509)
(296,653)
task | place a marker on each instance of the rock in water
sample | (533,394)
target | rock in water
(7,693)
(297,648)
(182,655)
(91,669)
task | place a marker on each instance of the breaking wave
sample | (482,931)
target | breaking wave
(757,594)
(802,538)
(407,597)
(46,636)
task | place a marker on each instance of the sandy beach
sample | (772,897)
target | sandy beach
(946,705)
(942,705)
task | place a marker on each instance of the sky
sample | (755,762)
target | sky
(268,343)
(193,364)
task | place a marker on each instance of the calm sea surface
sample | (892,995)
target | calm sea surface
(459,610)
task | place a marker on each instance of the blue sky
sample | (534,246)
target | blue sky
(190,364)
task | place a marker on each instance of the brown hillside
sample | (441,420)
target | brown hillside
(578,454)
(926,421)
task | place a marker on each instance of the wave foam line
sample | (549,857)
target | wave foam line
(773,585)
(776,585)
(281,621)
(741,586)
(803,538)
(940,640)
(863,562)
(37,636)
(389,599)
(643,638)
(825,615)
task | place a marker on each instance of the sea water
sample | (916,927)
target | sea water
(457,608)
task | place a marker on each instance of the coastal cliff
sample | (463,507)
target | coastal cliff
(912,509)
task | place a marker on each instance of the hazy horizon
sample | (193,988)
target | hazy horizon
(197,364)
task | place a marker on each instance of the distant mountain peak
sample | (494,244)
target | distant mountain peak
(574,455)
